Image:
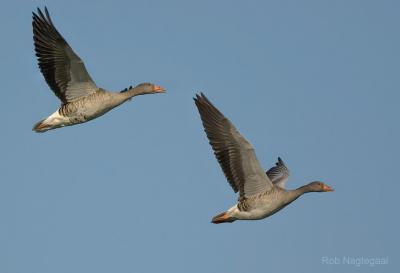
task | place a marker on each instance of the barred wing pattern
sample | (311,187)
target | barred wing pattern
(279,174)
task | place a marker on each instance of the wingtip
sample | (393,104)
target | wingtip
(40,12)
(35,15)
(280,161)
(203,96)
(197,97)
(200,97)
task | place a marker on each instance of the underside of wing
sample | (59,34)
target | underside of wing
(63,70)
(234,153)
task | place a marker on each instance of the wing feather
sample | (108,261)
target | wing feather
(279,174)
(62,69)
(234,153)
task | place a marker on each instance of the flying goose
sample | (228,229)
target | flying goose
(261,193)
(65,73)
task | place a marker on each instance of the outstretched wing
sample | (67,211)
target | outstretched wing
(63,70)
(233,152)
(279,174)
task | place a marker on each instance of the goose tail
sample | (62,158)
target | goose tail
(41,126)
(222,218)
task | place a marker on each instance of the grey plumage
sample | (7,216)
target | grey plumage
(261,193)
(65,73)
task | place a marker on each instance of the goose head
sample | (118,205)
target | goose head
(318,186)
(148,88)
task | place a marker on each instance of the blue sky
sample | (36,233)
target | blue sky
(315,82)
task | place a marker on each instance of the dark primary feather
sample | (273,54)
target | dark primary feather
(126,89)
(214,123)
(232,151)
(62,69)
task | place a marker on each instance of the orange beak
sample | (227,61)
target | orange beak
(159,89)
(327,188)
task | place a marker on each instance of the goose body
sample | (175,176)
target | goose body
(67,76)
(261,193)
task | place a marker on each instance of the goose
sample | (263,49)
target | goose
(66,75)
(261,194)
